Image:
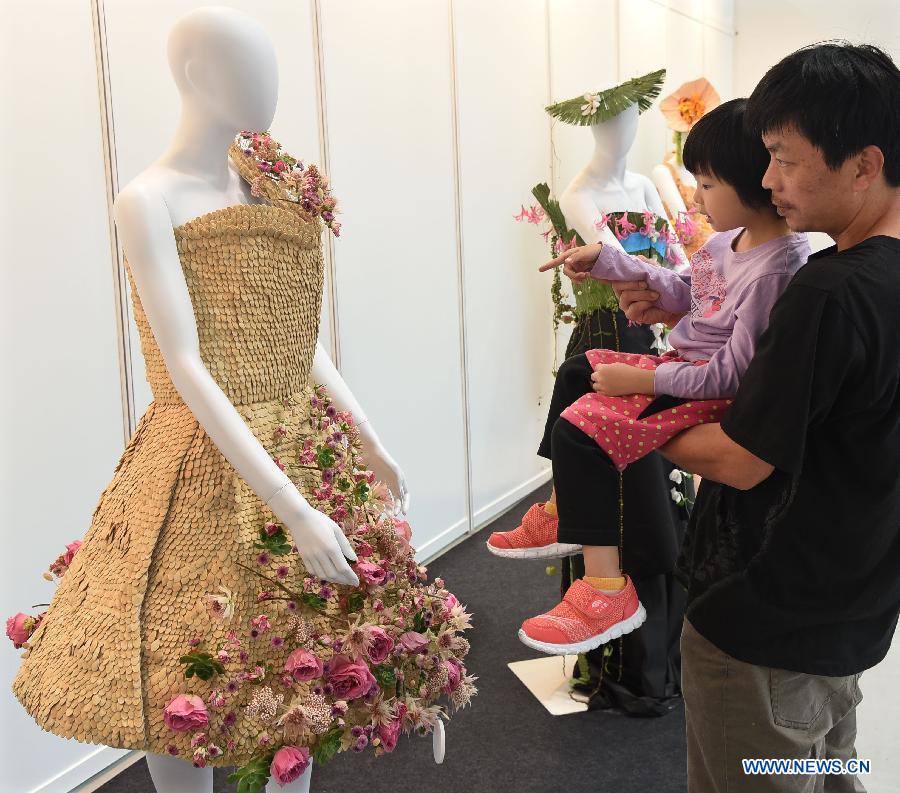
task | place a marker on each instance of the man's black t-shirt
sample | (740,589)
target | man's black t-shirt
(802,572)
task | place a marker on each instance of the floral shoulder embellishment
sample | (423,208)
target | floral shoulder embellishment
(276,174)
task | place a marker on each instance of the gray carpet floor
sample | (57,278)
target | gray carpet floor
(505,742)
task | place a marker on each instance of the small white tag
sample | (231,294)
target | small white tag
(437,742)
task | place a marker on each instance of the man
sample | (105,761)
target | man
(792,559)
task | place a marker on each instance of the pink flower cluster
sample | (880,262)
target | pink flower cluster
(534,214)
(21,627)
(307,186)
(360,664)
(686,226)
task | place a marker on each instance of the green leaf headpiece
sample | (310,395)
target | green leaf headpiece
(596,108)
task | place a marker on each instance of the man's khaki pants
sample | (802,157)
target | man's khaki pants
(735,710)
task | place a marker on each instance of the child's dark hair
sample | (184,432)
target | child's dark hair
(840,96)
(720,145)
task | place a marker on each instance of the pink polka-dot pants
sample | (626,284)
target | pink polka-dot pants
(613,421)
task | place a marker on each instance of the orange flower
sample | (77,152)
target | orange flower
(685,106)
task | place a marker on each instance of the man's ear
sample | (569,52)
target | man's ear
(869,166)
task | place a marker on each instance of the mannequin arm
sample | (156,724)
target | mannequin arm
(374,454)
(143,221)
(581,214)
(668,190)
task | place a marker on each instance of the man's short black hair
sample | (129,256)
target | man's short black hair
(720,145)
(840,96)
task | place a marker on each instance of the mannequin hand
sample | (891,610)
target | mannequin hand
(385,468)
(576,262)
(320,542)
(639,304)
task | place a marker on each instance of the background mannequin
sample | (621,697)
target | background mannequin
(224,65)
(644,664)
(604,185)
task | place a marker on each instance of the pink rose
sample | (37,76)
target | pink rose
(71,548)
(413,642)
(381,646)
(349,679)
(404,531)
(389,734)
(289,764)
(370,573)
(449,605)
(303,665)
(186,712)
(20,628)
(454,673)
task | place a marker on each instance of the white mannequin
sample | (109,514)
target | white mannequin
(604,185)
(668,189)
(225,68)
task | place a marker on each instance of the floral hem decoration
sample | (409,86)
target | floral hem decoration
(365,664)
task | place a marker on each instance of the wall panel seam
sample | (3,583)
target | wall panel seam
(120,284)
(325,162)
(460,274)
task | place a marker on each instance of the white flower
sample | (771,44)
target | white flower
(220,607)
(675,476)
(660,338)
(592,102)
(676,495)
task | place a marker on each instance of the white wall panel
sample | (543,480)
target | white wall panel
(687,8)
(760,44)
(720,14)
(62,419)
(643,48)
(584,49)
(146,105)
(390,122)
(718,61)
(502,87)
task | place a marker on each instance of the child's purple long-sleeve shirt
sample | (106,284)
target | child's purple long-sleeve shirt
(726,298)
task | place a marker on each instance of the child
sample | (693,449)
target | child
(618,407)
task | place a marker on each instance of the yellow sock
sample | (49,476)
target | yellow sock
(606,584)
(550,508)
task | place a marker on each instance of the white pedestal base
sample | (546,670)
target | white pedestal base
(548,679)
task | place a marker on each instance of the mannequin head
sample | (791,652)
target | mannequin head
(224,65)
(616,135)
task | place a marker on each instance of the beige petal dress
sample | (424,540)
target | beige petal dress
(175,518)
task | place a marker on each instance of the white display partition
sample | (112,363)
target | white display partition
(584,46)
(508,313)
(145,103)
(718,59)
(398,313)
(63,424)
(644,47)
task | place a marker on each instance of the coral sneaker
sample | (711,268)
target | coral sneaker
(534,539)
(584,620)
